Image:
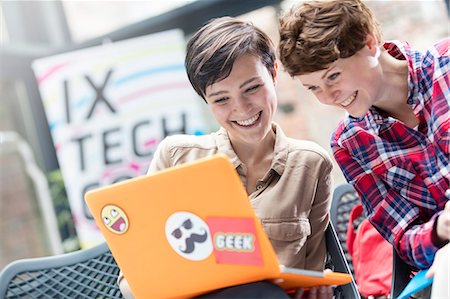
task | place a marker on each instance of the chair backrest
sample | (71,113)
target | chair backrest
(92,273)
(401,274)
(337,262)
(89,273)
(344,199)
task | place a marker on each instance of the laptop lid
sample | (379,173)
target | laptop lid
(184,231)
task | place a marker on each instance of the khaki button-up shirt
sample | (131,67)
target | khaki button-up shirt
(292,200)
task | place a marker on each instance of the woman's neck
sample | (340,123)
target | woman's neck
(254,153)
(393,99)
(257,159)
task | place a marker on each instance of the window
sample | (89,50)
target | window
(89,19)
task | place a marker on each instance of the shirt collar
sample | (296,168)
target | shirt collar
(281,150)
(372,121)
(224,145)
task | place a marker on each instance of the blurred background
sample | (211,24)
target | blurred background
(53,51)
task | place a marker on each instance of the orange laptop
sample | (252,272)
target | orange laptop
(189,230)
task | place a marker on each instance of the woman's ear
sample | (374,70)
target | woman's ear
(372,43)
(275,72)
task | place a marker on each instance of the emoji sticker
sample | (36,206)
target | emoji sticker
(189,236)
(114,219)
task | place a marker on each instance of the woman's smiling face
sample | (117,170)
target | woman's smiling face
(353,83)
(244,103)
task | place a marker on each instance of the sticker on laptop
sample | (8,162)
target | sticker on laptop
(114,219)
(189,236)
(232,240)
(235,241)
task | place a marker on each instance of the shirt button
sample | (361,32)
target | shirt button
(258,187)
(447,193)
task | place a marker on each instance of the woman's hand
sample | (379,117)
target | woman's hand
(125,288)
(443,224)
(322,292)
(443,233)
(430,272)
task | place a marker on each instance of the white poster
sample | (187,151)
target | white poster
(109,106)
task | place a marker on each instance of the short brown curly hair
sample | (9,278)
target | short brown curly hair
(314,34)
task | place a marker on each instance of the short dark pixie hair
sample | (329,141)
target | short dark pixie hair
(212,51)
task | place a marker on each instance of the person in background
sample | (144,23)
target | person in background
(231,64)
(394,144)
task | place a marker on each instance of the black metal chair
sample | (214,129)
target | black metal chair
(337,262)
(401,274)
(89,273)
(344,199)
(92,273)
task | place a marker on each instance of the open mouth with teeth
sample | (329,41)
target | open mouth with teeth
(119,225)
(249,122)
(349,100)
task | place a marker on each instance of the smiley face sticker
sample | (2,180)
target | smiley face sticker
(114,219)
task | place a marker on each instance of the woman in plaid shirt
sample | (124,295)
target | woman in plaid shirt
(394,145)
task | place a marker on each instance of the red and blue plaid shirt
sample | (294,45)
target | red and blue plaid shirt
(402,174)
